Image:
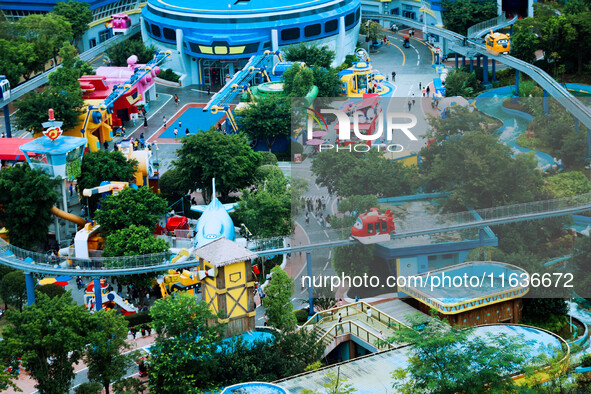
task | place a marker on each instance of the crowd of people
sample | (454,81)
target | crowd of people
(316,207)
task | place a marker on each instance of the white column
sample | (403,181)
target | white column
(530,8)
(340,55)
(143,29)
(274,40)
(500,7)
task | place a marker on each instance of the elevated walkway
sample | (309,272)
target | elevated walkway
(355,322)
(400,310)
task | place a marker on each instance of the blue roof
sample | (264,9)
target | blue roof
(60,146)
(237,7)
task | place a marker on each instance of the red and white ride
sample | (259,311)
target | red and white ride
(373,227)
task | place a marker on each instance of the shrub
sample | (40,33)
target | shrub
(137,319)
(169,75)
(89,388)
(268,158)
(51,290)
(301,316)
(586,361)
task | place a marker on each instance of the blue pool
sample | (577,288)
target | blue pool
(194,119)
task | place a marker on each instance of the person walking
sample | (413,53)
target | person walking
(180,125)
(428,91)
(393,76)
(176,132)
(164,120)
(145,122)
(420,86)
(368,314)
(176,100)
(266,319)
(71,188)
(409,105)
(133,332)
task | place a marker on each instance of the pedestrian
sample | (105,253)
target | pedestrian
(340,319)
(368,314)
(420,86)
(149,329)
(382,336)
(180,125)
(266,319)
(71,188)
(340,303)
(413,99)
(187,132)
(133,332)
(135,144)
(3,135)
(145,122)
(208,90)
(176,132)
(428,91)
(393,76)
(409,105)
(176,99)
(143,330)
(307,220)
(119,288)
(164,120)
(424,92)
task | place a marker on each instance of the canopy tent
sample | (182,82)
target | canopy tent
(10,149)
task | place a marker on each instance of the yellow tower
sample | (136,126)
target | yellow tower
(228,283)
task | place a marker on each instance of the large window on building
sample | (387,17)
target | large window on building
(290,34)
(312,30)
(155,30)
(331,26)
(169,34)
(350,19)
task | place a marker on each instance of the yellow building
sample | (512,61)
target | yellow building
(228,289)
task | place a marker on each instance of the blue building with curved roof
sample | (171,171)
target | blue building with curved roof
(211,40)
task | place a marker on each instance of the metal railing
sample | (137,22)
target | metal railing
(88,55)
(477,28)
(358,307)
(352,328)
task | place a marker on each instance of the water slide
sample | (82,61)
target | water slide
(514,123)
(68,216)
(126,307)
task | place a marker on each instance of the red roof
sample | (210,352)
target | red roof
(10,149)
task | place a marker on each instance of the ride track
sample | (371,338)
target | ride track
(29,261)
(468,46)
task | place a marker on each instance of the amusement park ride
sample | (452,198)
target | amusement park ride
(498,43)
(373,227)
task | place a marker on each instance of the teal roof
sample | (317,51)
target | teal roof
(60,146)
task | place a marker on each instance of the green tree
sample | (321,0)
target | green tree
(353,259)
(33,107)
(278,301)
(66,76)
(436,363)
(18,58)
(49,336)
(481,172)
(567,184)
(266,211)
(336,384)
(171,185)
(310,54)
(106,342)
(130,385)
(47,33)
(103,165)
(133,240)
(26,214)
(227,158)
(89,388)
(524,40)
(341,172)
(459,15)
(327,81)
(371,29)
(77,13)
(581,258)
(13,289)
(140,207)
(51,290)
(119,53)
(461,83)
(266,119)
(181,355)
(297,81)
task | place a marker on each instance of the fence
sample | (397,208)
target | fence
(473,30)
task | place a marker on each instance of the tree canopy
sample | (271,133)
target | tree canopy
(437,365)
(106,342)
(348,173)
(119,53)
(77,13)
(459,15)
(266,211)
(49,336)
(311,55)
(133,240)
(278,301)
(27,196)
(13,289)
(227,158)
(266,119)
(139,207)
